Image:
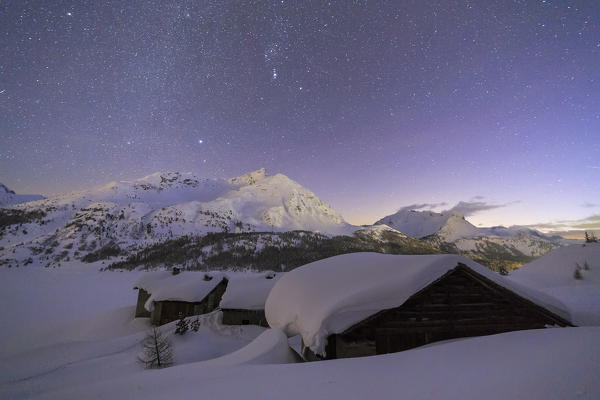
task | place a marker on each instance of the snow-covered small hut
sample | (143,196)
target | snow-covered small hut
(244,300)
(165,297)
(366,303)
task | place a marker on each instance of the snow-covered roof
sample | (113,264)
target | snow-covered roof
(249,292)
(186,286)
(331,295)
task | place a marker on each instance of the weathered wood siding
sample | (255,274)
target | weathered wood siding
(140,311)
(167,311)
(461,303)
(244,317)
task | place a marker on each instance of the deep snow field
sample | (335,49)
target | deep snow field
(69,333)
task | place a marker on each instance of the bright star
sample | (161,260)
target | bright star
(200,141)
(69,14)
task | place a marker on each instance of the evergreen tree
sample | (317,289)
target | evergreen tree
(157,350)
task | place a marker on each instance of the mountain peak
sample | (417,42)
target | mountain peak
(250,178)
(416,223)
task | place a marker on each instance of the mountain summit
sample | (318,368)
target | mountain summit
(419,224)
(124,215)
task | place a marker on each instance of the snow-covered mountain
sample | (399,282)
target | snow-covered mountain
(9,197)
(134,214)
(452,232)
(415,223)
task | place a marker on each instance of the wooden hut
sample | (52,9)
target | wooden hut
(244,300)
(388,303)
(164,297)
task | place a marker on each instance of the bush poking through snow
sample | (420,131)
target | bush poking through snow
(182,326)
(586,266)
(157,350)
(195,325)
(577,274)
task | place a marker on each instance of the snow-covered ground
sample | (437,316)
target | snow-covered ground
(554,274)
(70,334)
(63,328)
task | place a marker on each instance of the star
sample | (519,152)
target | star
(200,141)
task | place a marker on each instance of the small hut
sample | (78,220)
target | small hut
(165,297)
(244,300)
(366,304)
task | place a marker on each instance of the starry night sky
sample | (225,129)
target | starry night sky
(373,105)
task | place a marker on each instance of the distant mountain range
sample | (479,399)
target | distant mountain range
(451,232)
(252,221)
(9,197)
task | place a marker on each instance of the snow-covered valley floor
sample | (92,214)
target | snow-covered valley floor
(70,334)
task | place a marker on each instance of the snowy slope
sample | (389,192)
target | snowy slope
(126,215)
(9,197)
(378,232)
(554,275)
(548,364)
(74,338)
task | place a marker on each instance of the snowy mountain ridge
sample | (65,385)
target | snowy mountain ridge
(127,215)
(123,218)
(9,197)
(452,232)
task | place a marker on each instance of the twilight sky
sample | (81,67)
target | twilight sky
(373,105)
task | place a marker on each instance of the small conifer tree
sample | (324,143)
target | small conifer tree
(157,350)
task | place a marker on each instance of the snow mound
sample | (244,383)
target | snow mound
(554,274)
(270,347)
(185,286)
(331,295)
(249,292)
